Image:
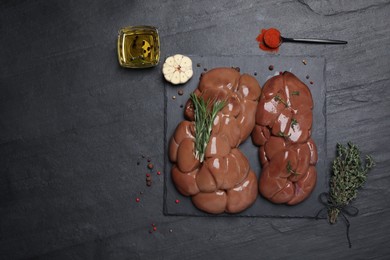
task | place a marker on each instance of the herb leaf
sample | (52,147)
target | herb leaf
(279,99)
(294,122)
(290,170)
(281,134)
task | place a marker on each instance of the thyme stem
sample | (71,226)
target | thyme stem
(279,99)
(294,122)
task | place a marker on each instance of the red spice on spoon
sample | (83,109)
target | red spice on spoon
(269,39)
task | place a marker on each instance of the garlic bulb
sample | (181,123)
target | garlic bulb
(177,69)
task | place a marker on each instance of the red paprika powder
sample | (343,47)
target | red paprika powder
(269,39)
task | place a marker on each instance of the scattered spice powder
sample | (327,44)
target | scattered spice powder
(269,40)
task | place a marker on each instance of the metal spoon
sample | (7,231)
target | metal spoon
(275,39)
(311,40)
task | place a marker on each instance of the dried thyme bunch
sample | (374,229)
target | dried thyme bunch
(348,175)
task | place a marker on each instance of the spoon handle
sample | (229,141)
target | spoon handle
(314,41)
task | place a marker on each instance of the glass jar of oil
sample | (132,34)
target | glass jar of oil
(138,47)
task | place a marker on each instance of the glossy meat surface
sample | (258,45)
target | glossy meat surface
(224,182)
(283,131)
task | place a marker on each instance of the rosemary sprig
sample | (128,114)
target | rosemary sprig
(348,175)
(279,99)
(204,122)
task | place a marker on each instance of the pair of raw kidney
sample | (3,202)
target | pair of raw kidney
(279,118)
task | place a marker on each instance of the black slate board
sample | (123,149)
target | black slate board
(257,66)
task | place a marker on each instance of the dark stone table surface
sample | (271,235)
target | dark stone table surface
(74,124)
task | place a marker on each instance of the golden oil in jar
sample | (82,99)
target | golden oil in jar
(138,47)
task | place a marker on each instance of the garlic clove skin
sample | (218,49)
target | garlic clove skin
(177,69)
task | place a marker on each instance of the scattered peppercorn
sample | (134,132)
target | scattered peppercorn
(170,231)
(280,72)
(177,201)
(158,173)
(198,65)
(205,69)
(137,200)
(148,175)
(138,163)
(173,97)
(150,165)
(154,228)
(304,62)
(181,106)
(271,67)
(149,160)
(307,76)
(237,68)
(180,92)
(311,82)
(255,73)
